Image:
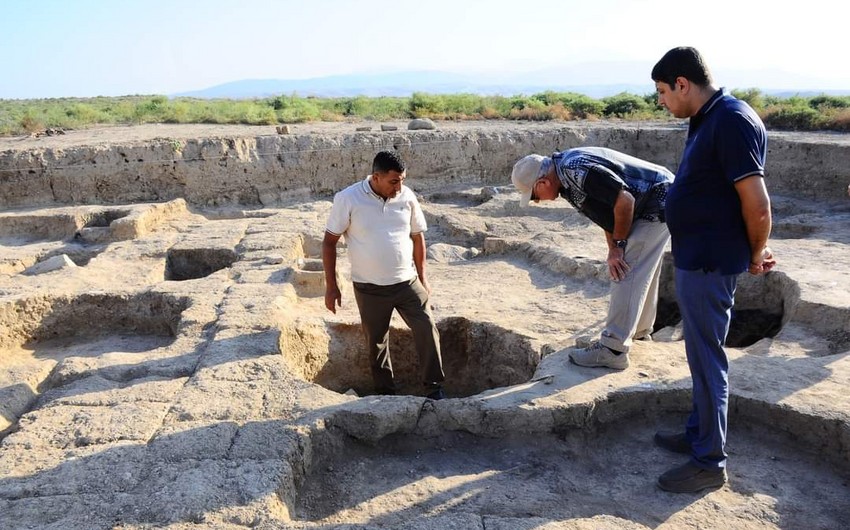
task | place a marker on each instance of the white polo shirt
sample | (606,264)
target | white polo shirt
(377,232)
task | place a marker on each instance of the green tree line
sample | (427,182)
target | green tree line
(17,117)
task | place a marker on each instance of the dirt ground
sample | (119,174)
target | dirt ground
(183,373)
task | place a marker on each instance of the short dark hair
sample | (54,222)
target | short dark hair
(387,161)
(683,61)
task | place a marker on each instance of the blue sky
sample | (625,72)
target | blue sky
(56,48)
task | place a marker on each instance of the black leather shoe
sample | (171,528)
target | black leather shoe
(673,441)
(689,478)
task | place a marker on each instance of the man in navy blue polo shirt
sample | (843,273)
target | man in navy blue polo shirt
(718,213)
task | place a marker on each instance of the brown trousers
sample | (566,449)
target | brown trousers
(410,299)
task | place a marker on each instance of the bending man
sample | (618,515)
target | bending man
(625,196)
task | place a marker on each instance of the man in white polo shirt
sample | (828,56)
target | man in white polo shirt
(384,228)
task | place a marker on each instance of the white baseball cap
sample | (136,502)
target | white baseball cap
(525,173)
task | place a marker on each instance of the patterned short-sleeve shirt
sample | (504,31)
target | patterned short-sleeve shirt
(592,178)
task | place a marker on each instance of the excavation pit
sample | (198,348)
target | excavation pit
(103,218)
(312,246)
(308,278)
(87,225)
(525,480)
(38,335)
(762,307)
(29,322)
(477,356)
(463,198)
(195,263)
(23,229)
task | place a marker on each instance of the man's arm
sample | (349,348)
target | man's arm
(624,211)
(333,296)
(419,258)
(755,208)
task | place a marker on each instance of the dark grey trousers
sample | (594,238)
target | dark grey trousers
(410,299)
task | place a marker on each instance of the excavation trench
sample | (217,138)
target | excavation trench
(39,335)
(25,228)
(763,305)
(604,468)
(195,263)
(477,356)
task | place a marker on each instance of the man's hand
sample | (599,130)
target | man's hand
(333,298)
(332,295)
(763,263)
(617,266)
(426,285)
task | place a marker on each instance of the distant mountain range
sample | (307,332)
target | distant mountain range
(596,80)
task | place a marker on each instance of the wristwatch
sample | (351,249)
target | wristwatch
(620,243)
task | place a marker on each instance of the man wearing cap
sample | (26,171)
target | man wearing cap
(625,196)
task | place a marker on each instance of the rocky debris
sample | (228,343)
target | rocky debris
(48,132)
(54,263)
(669,334)
(446,253)
(385,127)
(282,129)
(421,124)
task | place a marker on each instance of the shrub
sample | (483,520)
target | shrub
(795,117)
(823,102)
(30,122)
(752,96)
(623,105)
(840,121)
(422,105)
(151,111)
(17,116)
(299,111)
(462,105)
(583,106)
(83,113)
(651,99)
(534,110)
(178,112)
(496,106)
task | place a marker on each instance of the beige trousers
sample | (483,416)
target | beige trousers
(634,299)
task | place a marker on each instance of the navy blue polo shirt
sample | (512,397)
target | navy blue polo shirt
(726,142)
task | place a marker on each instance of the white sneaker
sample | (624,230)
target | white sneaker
(598,356)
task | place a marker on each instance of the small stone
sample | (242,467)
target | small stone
(584,341)
(282,129)
(421,124)
(51,264)
(363,129)
(495,245)
(388,127)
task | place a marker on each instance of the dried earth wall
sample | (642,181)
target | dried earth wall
(251,166)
